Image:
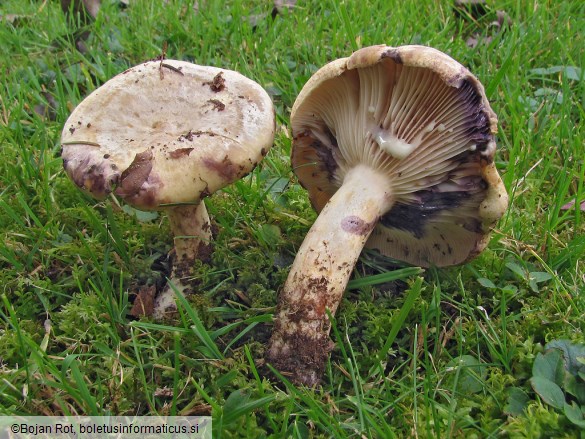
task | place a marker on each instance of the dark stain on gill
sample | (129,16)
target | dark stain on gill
(413,218)
(478,124)
(325,154)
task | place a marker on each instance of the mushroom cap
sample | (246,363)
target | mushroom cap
(167,132)
(421,118)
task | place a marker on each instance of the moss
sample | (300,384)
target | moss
(82,321)
(260,296)
(538,422)
(14,348)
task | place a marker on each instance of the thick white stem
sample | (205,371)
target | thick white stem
(192,237)
(300,342)
(191,229)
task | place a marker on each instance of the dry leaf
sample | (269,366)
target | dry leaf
(144,302)
(282,5)
(476,13)
(86,9)
(15,19)
(164,392)
(48,110)
(472,8)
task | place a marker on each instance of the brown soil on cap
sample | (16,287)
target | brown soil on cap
(217,105)
(181,152)
(217,84)
(135,175)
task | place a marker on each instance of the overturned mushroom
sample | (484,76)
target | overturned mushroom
(162,136)
(396,148)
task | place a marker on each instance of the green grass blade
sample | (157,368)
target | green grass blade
(412,295)
(390,276)
(198,328)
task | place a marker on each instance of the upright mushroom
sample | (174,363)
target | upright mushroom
(162,136)
(396,148)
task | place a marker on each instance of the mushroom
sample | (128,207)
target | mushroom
(163,135)
(396,149)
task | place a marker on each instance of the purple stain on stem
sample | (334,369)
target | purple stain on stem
(356,226)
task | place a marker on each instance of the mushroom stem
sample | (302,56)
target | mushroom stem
(300,343)
(192,237)
(191,230)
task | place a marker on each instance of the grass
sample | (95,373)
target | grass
(428,354)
